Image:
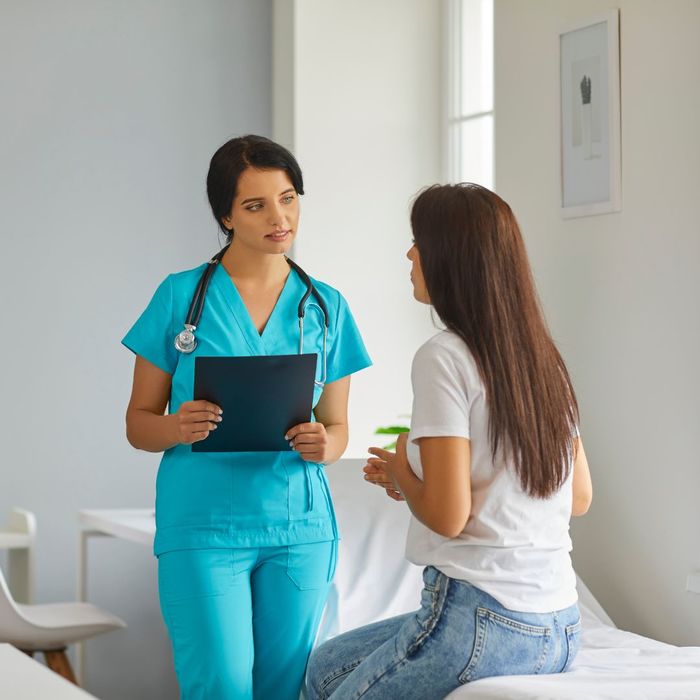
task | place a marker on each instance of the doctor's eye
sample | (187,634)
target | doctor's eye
(288,199)
(255,207)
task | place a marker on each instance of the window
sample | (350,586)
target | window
(469,92)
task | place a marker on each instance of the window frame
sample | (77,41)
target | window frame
(453,117)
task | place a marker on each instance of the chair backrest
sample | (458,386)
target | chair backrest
(22,521)
(10,617)
(20,560)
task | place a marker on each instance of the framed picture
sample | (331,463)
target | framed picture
(589,82)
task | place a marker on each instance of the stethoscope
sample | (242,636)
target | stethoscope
(186,342)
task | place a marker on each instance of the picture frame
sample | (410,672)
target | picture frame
(589,101)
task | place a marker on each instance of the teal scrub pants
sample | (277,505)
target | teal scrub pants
(242,621)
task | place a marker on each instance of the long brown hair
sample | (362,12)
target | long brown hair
(479,281)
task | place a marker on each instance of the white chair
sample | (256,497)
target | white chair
(18,538)
(50,628)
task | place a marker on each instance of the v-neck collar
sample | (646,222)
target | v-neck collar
(259,343)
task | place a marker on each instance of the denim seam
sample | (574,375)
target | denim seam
(520,626)
(343,671)
(543,657)
(478,646)
(437,605)
(390,667)
(559,644)
(570,631)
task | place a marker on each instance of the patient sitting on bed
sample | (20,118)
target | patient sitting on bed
(492,470)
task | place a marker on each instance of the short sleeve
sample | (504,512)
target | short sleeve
(151,336)
(346,353)
(440,397)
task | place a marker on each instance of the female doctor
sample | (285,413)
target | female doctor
(246,542)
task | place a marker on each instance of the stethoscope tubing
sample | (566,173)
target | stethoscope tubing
(185,341)
(194,313)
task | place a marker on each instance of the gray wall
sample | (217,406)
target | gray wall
(110,113)
(621,293)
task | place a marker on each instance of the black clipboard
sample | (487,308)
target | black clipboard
(261,396)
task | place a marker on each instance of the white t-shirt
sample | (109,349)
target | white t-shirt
(514,547)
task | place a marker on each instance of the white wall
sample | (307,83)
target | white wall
(621,293)
(364,121)
(110,114)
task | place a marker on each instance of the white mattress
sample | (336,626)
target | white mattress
(374,581)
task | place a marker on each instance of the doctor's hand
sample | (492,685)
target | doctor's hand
(194,421)
(310,440)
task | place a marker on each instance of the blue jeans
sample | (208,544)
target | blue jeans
(460,634)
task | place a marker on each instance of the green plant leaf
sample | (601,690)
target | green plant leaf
(392,430)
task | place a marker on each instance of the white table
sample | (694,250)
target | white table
(135,525)
(23,678)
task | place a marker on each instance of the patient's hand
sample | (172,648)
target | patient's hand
(377,475)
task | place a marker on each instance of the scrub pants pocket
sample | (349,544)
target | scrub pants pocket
(195,573)
(312,566)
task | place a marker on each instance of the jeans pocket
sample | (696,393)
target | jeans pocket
(573,642)
(311,566)
(506,647)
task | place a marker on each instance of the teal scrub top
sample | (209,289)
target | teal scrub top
(241,499)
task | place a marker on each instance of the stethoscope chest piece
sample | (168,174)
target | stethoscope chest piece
(185,340)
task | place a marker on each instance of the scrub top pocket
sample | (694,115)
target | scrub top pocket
(311,566)
(504,646)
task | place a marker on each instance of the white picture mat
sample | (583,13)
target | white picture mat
(590,133)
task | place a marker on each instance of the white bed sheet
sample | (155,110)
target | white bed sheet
(374,581)
(611,665)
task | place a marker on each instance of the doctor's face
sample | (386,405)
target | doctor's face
(420,291)
(265,211)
